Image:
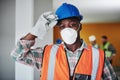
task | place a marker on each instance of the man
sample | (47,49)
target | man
(92,40)
(67,61)
(108,48)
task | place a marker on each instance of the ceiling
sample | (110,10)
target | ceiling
(95,10)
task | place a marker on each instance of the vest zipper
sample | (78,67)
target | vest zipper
(68,64)
(71,78)
(77,64)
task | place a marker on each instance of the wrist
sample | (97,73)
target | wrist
(29,36)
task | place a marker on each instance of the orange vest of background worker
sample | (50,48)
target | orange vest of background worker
(58,67)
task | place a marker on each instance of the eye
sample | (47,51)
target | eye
(74,25)
(61,26)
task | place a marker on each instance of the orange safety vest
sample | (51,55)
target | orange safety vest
(62,70)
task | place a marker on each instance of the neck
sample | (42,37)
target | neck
(74,46)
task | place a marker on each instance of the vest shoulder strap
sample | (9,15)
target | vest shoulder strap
(95,63)
(51,64)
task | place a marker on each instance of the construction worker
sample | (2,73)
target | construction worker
(71,60)
(108,48)
(92,40)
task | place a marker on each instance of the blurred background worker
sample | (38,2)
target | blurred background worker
(108,48)
(92,40)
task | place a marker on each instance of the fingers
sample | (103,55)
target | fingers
(47,13)
(50,16)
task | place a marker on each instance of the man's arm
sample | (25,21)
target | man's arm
(112,49)
(29,36)
(24,54)
(108,71)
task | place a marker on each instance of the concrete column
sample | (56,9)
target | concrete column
(24,22)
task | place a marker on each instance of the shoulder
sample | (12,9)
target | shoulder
(94,50)
(49,47)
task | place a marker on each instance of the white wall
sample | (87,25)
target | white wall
(7,39)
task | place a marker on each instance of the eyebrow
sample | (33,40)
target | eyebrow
(71,19)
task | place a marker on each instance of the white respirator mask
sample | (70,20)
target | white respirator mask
(69,35)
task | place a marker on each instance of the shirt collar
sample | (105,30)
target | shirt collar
(83,46)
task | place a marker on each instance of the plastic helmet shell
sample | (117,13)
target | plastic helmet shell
(92,38)
(67,11)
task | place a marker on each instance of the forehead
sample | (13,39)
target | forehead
(68,20)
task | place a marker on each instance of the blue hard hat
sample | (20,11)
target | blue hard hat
(67,11)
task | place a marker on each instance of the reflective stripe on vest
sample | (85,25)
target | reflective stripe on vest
(107,52)
(52,62)
(95,61)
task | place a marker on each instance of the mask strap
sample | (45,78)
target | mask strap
(78,28)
